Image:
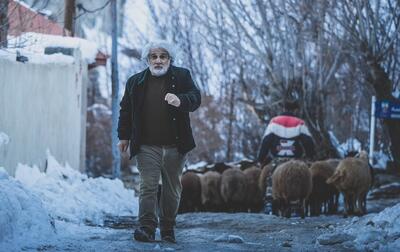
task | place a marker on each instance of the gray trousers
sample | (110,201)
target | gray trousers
(152,162)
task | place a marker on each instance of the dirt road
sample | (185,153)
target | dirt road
(211,232)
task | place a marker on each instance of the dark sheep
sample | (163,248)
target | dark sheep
(191,193)
(323,196)
(210,191)
(234,190)
(254,198)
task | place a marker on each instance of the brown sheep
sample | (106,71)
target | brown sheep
(353,178)
(191,193)
(291,181)
(267,171)
(210,191)
(254,196)
(322,194)
(234,189)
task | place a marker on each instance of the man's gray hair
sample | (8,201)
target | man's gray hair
(159,44)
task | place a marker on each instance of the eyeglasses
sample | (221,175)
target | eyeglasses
(162,57)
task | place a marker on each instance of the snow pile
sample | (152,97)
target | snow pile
(197,166)
(71,196)
(351,144)
(372,232)
(36,58)
(99,111)
(23,218)
(4,138)
(396,93)
(381,159)
(36,43)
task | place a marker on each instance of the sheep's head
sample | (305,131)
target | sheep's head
(336,178)
(363,155)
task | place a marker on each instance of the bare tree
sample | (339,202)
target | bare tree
(372,33)
(276,49)
(3,22)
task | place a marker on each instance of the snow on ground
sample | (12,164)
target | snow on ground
(72,196)
(35,204)
(372,232)
(23,217)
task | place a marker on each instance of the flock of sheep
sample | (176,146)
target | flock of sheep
(308,188)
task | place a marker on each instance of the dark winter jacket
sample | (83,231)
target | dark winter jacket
(180,83)
(286,136)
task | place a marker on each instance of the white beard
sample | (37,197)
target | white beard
(159,71)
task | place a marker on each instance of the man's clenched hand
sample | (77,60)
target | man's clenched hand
(172,99)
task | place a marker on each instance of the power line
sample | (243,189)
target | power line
(81,7)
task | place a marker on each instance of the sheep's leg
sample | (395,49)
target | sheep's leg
(315,206)
(318,207)
(310,207)
(287,209)
(307,207)
(276,206)
(282,207)
(331,204)
(362,208)
(336,204)
(321,207)
(346,205)
(363,203)
(352,203)
(302,208)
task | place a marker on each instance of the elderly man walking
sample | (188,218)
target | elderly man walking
(154,123)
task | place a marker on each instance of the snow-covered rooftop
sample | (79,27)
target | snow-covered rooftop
(35,43)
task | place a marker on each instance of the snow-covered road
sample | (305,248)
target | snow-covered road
(63,210)
(237,232)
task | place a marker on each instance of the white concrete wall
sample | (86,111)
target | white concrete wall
(43,106)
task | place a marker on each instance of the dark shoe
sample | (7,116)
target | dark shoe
(144,234)
(168,236)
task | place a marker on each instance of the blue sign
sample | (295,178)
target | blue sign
(387,110)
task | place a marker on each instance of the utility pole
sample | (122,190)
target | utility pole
(69,16)
(115,90)
(229,151)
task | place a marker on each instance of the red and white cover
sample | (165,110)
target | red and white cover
(287,127)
